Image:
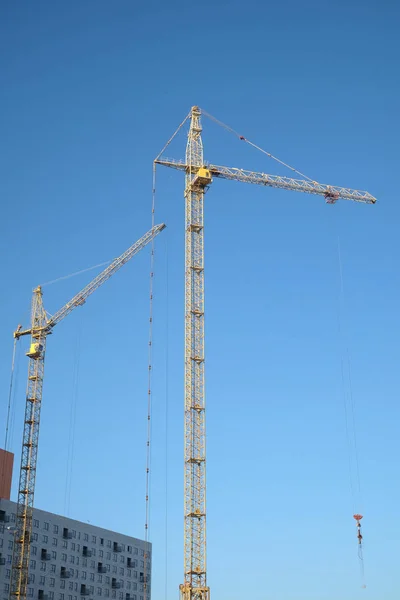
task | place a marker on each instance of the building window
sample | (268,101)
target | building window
(92,564)
(101,553)
(43,566)
(32,578)
(73,546)
(33,564)
(51,595)
(121,596)
(86,537)
(30,592)
(83,574)
(35,537)
(100,578)
(115,557)
(34,550)
(55,528)
(121,570)
(45,539)
(64,557)
(142,563)
(71,585)
(93,551)
(134,585)
(121,558)
(77,560)
(62,584)
(130,549)
(35,523)
(108,555)
(84,562)
(52,581)
(107,579)
(42,580)
(114,569)
(93,539)
(108,568)
(52,568)
(128,585)
(74,533)
(99,591)
(10,545)
(113,594)
(129,573)
(65,544)
(108,543)
(72,559)
(91,576)
(46,526)
(135,551)
(54,541)
(53,554)
(61,596)
(107,592)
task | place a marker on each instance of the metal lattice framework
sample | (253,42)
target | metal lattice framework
(195,583)
(276,181)
(198,176)
(41,326)
(27,476)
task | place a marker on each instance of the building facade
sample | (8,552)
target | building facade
(6,468)
(71,560)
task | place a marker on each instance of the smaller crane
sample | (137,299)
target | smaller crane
(41,326)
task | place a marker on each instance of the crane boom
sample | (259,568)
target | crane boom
(198,176)
(41,326)
(330,192)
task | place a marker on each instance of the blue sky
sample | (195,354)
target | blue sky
(90,92)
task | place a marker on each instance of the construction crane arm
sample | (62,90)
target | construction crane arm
(329,192)
(81,297)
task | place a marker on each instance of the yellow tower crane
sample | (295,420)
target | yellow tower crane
(41,326)
(198,177)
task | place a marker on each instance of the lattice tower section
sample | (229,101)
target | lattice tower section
(195,579)
(26,487)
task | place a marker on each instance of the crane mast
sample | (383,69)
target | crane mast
(198,176)
(27,476)
(41,327)
(195,577)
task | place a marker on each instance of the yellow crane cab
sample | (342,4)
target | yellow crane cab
(35,350)
(203,177)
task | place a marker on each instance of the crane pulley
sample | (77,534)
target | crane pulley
(42,325)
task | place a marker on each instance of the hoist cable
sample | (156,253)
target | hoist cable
(166,146)
(10,395)
(241,137)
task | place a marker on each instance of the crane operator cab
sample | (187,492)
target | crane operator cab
(202,178)
(35,350)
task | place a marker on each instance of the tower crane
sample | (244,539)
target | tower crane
(198,176)
(42,325)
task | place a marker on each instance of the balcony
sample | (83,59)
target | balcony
(44,555)
(4,518)
(2,560)
(64,573)
(100,568)
(131,563)
(84,590)
(42,595)
(115,584)
(117,547)
(86,551)
(67,535)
